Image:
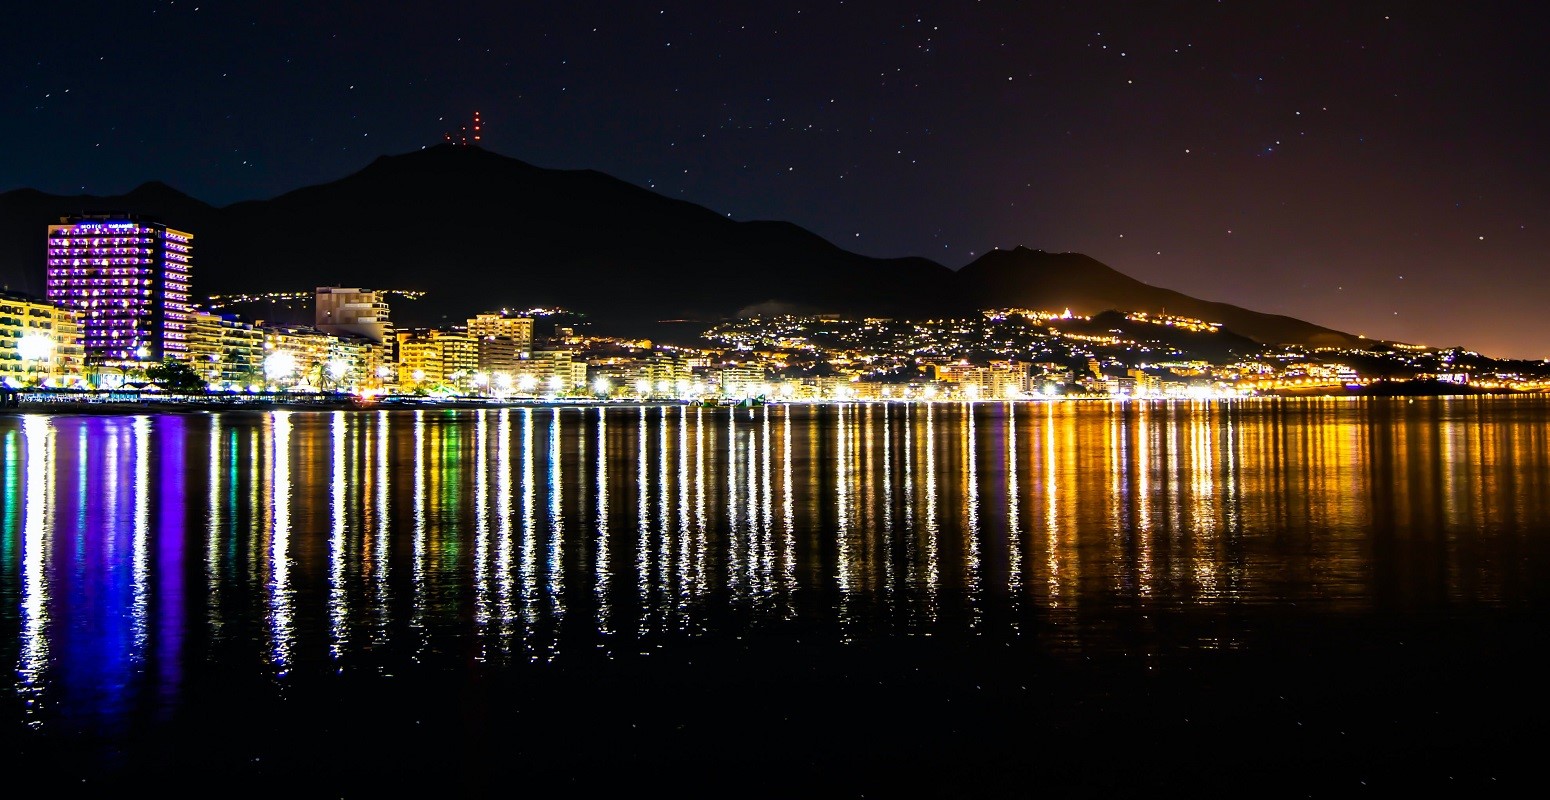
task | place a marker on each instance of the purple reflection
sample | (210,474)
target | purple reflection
(170,440)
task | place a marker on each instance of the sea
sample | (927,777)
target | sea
(1248,597)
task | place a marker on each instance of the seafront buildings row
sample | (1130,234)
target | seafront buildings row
(119,300)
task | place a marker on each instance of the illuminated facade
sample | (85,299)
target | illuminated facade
(499,354)
(355,311)
(518,329)
(556,371)
(224,351)
(419,359)
(204,345)
(128,279)
(440,357)
(39,342)
(308,359)
(242,352)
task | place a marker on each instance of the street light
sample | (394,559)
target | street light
(35,347)
(337,369)
(279,365)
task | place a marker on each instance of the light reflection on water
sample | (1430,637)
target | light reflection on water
(133,545)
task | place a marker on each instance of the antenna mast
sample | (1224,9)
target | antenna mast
(464,138)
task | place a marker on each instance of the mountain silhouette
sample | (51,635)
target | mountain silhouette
(1056,281)
(479,231)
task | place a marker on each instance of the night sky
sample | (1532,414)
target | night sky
(1383,169)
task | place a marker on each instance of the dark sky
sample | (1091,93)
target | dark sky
(1380,168)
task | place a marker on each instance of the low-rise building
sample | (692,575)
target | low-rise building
(40,342)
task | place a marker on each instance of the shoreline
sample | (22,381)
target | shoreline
(196,406)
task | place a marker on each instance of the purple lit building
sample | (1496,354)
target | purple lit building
(128,278)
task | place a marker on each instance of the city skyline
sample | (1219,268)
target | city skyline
(1363,168)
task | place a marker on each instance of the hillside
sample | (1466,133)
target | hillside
(481,231)
(1035,279)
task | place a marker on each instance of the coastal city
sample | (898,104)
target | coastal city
(119,319)
(774,400)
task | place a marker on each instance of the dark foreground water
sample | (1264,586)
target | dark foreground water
(1248,598)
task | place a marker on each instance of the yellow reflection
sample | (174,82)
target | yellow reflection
(213,534)
(338,598)
(421,524)
(750,492)
(280,599)
(603,570)
(482,593)
(1052,476)
(767,569)
(1143,499)
(846,575)
(555,588)
(911,561)
(933,568)
(1014,533)
(789,546)
(643,524)
(32,662)
(971,504)
(701,547)
(664,543)
(890,576)
(528,571)
(382,528)
(687,577)
(504,586)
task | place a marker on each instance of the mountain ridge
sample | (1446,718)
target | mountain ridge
(479,230)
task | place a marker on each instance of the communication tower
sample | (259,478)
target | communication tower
(465,137)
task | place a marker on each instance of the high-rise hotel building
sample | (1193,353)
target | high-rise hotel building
(128,280)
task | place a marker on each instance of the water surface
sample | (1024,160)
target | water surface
(598,595)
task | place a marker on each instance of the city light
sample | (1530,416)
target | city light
(34,347)
(279,365)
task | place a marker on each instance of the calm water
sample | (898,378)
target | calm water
(511,598)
